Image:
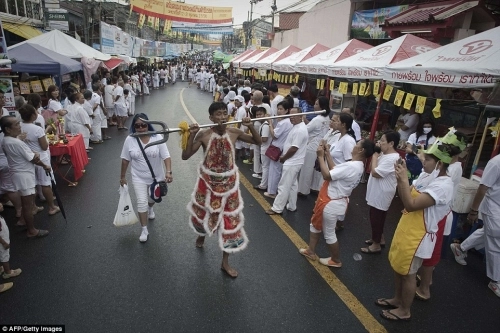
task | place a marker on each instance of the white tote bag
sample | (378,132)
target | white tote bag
(125,214)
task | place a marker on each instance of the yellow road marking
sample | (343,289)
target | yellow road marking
(354,305)
(365,317)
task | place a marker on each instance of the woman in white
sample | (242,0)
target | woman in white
(37,142)
(415,236)
(131,96)
(156,78)
(158,156)
(266,141)
(381,188)
(421,139)
(78,119)
(340,181)
(279,134)
(145,88)
(316,128)
(54,103)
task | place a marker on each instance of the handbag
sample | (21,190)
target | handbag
(273,152)
(156,189)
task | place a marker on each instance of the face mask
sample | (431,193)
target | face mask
(427,130)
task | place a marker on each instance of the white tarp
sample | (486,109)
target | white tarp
(248,63)
(370,64)
(318,64)
(286,65)
(61,43)
(467,63)
(236,63)
(277,56)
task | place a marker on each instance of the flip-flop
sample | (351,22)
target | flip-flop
(420,297)
(393,317)
(312,257)
(370,242)
(367,250)
(272,212)
(382,302)
(41,233)
(55,212)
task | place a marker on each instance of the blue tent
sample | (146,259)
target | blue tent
(36,59)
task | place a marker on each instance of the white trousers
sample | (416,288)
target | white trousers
(475,240)
(492,246)
(96,129)
(274,177)
(307,172)
(142,195)
(265,170)
(132,107)
(287,188)
(331,213)
(257,165)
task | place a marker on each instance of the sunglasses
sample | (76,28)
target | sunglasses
(140,125)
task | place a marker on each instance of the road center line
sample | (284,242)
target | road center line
(351,301)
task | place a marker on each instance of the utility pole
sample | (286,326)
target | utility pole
(250,25)
(274,8)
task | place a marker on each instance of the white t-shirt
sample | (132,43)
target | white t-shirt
(296,102)
(54,105)
(296,138)
(441,190)
(331,137)
(341,149)
(108,96)
(240,114)
(19,157)
(317,128)
(455,173)
(491,178)
(357,130)
(274,104)
(345,178)
(33,133)
(380,191)
(421,141)
(119,92)
(265,133)
(139,168)
(411,121)
(96,99)
(281,131)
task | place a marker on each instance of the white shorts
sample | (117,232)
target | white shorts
(6,184)
(41,176)
(4,234)
(111,111)
(29,191)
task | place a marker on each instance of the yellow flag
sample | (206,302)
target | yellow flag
(317,83)
(343,87)
(388,92)
(151,21)
(157,23)
(409,101)
(296,78)
(399,97)
(368,91)
(376,87)
(291,79)
(420,104)
(322,85)
(286,78)
(355,88)
(362,88)
(332,84)
(142,19)
(437,109)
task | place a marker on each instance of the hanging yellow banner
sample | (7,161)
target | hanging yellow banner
(269,77)
(142,19)
(355,88)
(362,88)
(182,12)
(409,101)
(343,87)
(322,86)
(157,24)
(388,92)
(437,109)
(376,87)
(399,97)
(36,86)
(296,78)
(151,21)
(317,83)
(332,84)
(25,87)
(46,83)
(420,104)
(286,78)
(368,91)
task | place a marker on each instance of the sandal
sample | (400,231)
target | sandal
(393,317)
(367,250)
(309,256)
(41,233)
(383,302)
(272,212)
(370,242)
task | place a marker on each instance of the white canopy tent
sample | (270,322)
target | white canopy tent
(283,53)
(319,63)
(61,43)
(248,63)
(286,65)
(370,64)
(467,63)
(249,55)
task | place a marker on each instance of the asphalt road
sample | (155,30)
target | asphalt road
(94,277)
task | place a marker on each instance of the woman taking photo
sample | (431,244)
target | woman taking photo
(340,181)
(316,128)
(37,142)
(421,139)
(158,156)
(381,189)
(415,235)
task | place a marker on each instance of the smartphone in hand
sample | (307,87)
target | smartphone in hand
(414,148)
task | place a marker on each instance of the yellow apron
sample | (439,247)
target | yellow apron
(408,236)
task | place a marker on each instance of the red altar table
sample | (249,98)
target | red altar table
(75,149)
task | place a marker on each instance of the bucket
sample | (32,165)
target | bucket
(465,195)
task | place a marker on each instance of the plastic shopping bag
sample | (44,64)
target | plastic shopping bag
(125,214)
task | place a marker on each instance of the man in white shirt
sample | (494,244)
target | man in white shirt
(240,147)
(106,79)
(98,113)
(109,101)
(275,98)
(408,124)
(120,105)
(257,101)
(294,152)
(355,127)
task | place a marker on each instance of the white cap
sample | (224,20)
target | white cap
(231,95)
(240,98)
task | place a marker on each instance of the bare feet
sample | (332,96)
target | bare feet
(228,270)
(200,241)
(54,211)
